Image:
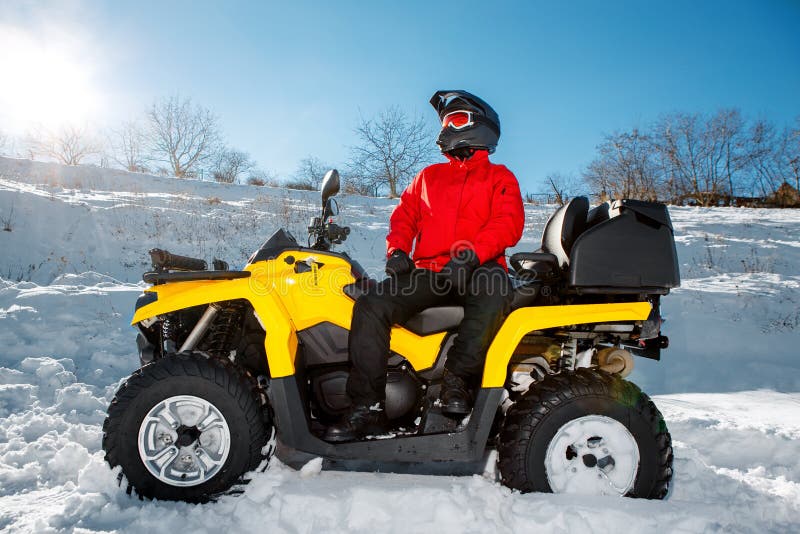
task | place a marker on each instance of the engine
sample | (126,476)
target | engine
(328,388)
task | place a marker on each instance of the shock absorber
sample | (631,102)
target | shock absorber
(200,329)
(223,330)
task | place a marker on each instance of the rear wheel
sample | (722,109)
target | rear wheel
(187,427)
(586,432)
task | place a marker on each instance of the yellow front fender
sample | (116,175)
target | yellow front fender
(525,320)
(280,341)
(181,295)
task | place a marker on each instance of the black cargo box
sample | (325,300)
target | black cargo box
(628,247)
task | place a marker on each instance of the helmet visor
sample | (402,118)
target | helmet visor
(457,120)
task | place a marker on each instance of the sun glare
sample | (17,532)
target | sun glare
(42,84)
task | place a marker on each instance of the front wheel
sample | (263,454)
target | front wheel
(187,427)
(586,432)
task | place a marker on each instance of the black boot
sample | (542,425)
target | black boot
(457,394)
(362,420)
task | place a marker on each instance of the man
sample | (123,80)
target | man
(460,217)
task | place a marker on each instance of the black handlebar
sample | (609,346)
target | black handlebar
(325,235)
(337,233)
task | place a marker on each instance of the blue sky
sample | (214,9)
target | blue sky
(289,79)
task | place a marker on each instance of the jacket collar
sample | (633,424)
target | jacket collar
(479,158)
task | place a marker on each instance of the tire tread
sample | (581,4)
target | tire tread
(242,388)
(523,418)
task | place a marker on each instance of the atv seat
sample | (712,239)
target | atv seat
(427,322)
(444,318)
(434,320)
(553,258)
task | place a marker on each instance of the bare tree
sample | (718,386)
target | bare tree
(230,164)
(309,173)
(625,167)
(706,159)
(727,149)
(703,159)
(790,152)
(69,145)
(392,148)
(3,142)
(129,146)
(765,158)
(182,134)
(776,162)
(677,139)
(358,185)
(562,187)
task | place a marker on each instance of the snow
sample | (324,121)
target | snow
(70,272)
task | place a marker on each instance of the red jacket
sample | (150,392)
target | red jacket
(460,204)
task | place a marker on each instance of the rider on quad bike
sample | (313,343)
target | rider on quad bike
(233,360)
(469,210)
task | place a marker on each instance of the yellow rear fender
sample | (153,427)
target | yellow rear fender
(525,320)
(280,342)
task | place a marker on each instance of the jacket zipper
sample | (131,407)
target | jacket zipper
(460,197)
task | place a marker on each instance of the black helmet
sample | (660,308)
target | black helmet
(481,132)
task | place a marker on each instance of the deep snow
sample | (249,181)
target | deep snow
(70,271)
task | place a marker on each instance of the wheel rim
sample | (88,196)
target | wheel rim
(184,440)
(593,454)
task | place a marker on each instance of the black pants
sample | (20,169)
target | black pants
(485,299)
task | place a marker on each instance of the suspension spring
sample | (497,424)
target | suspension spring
(568,352)
(169,335)
(218,340)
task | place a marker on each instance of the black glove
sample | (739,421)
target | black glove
(458,270)
(399,263)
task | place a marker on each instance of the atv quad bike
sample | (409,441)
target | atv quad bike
(230,358)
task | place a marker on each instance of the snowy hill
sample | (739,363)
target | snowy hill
(73,251)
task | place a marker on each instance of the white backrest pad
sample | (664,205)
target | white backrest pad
(551,237)
(563,228)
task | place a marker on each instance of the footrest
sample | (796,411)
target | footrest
(435,422)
